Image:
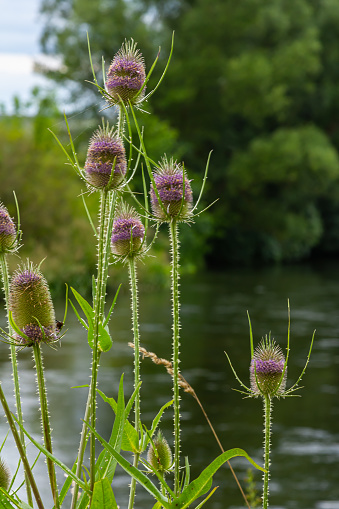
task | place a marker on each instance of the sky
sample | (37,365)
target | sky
(20,29)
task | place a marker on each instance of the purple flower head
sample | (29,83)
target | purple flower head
(170,181)
(267,368)
(32,307)
(7,231)
(128,232)
(105,151)
(126,75)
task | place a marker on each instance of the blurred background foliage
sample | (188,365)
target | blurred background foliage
(254,81)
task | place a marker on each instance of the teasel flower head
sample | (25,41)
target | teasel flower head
(31,306)
(8,232)
(5,475)
(267,370)
(173,189)
(105,166)
(128,232)
(159,454)
(126,76)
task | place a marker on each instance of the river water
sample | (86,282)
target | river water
(305,440)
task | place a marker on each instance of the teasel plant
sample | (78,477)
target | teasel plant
(125,82)
(32,320)
(10,238)
(128,244)
(268,377)
(106,171)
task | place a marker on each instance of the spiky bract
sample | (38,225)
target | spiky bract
(105,152)
(126,75)
(8,232)
(128,232)
(5,475)
(159,454)
(174,190)
(32,307)
(267,368)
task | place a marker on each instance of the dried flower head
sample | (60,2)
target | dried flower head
(267,369)
(8,232)
(174,190)
(126,75)
(32,307)
(128,232)
(106,154)
(159,454)
(5,475)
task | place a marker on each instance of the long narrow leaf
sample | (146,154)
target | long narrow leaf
(132,471)
(199,486)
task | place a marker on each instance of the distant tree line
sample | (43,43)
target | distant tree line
(257,82)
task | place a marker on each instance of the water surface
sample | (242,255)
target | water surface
(305,441)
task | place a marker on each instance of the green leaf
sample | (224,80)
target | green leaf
(104,338)
(106,464)
(103,497)
(202,484)
(86,308)
(208,496)
(130,438)
(112,306)
(6,498)
(132,471)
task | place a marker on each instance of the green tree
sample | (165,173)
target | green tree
(254,81)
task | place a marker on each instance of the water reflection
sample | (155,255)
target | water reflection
(305,443)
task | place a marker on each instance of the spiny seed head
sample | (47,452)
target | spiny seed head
(266,369)
(126,75)
(7,231)
(170,180)
(128,232)
(106,150)
(160,456)
(5,475)
(31,306)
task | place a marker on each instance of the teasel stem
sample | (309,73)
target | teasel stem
(45,421)
(136,345)
(173,227)
(267,446)
(106,213)
(21,449)
(15,374)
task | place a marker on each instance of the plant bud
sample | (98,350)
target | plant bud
(266,370)
(31,306)
(105,151)
(170,180)
(7,231)
(5,475)
(126,75)
(128,232)
(161,457)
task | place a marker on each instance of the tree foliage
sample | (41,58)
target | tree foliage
(254,81)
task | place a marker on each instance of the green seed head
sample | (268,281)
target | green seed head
(5,475)
(160,456)
(31,306)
